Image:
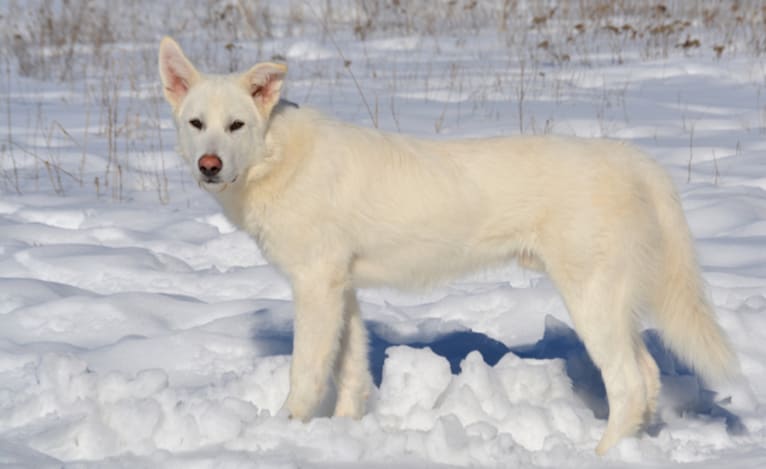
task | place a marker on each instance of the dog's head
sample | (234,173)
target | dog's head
(221,119)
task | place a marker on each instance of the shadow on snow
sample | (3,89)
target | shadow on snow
(681,387)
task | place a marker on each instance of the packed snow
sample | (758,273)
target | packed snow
(139,328)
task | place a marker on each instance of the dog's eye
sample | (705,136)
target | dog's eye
(196,123)
(236,125)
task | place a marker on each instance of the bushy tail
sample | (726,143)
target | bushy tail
(685,317)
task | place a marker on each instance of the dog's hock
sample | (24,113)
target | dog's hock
(176,71)
(264,84)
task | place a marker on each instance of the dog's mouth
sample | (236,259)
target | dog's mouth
(215,183)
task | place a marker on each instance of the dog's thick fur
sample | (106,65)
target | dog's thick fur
(335,207)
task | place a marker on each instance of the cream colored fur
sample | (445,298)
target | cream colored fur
(335,207)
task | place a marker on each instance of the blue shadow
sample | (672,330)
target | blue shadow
(559,341)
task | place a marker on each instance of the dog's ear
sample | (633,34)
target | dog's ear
(177,73)
(264,83)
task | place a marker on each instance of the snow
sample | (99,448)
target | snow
(139,328)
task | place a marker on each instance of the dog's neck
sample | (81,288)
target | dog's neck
(264,182)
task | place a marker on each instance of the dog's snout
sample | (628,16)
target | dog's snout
(210,165)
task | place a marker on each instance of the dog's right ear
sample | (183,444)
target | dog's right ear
(177,73)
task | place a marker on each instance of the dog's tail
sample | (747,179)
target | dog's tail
(685,317)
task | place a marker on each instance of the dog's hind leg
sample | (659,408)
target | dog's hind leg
(601,306)
(651,375)
(352,375)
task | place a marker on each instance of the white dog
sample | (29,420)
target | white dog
(335,207)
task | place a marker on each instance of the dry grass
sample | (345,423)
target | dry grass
(100,57)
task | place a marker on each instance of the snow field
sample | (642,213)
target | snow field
(138,328)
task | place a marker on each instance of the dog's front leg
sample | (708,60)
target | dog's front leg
(319,296)
(352,371)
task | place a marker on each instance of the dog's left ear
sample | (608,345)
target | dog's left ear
(264,83)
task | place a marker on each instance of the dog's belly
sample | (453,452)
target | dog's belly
(420,264)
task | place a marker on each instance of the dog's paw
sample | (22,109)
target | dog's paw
(351,402)
(300,405)
(283,413)
(350,409)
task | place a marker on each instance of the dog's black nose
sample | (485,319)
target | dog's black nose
(210,165)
